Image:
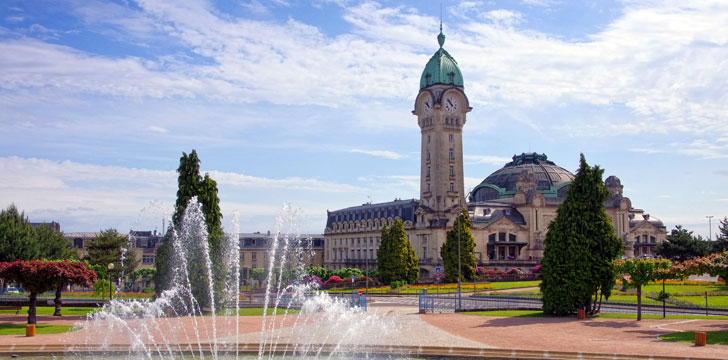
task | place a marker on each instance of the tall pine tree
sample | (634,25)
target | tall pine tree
(460,232)
(580,247)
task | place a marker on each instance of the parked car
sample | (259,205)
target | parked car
(13,290)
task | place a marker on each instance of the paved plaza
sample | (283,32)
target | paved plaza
(404,328)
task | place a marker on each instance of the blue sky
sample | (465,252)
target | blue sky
(309,102)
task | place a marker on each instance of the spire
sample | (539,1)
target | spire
(441,36)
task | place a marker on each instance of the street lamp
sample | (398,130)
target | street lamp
(110,267)
(710,227)
(460,296)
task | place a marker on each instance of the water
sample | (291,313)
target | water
(184,322)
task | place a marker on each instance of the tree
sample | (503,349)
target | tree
(681,245)
(641,272)
(460,233)
(38,276)
(107,248)
(396,258)
(577,269)
(17,238)
(721,242)
(190,185)
(53,245)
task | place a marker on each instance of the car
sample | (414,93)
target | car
(13,290)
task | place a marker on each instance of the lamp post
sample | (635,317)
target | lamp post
(460,299)
(366,265)
(110,267)
(710,227)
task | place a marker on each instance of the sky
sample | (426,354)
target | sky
(309,102)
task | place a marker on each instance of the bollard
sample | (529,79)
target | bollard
(700,338)
(581,314)
(30,330)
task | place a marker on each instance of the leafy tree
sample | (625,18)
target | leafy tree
(721,241)
(396,258)
(681,245)
(53,245)
(460,232)
(39,276)
(347,273)
(580,247)
(641,272)
(107,248)
(17,238)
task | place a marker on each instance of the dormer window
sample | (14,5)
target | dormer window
(452,77)
(428,77)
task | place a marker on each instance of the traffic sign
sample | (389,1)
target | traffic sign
(437,269)
(359,292)
(352,278)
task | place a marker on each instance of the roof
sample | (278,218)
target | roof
(405,209)
(551,179)
(441,69)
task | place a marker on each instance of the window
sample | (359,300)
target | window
(429,138)
(428,187)
(512,237)
(428,172)
(452,171)
(449,137)
(501,236)
(452,187)
(424,239)
(452,155)
(652,239)
(242,256)
(644,238)
(637,239)
(148,259)
(254,255)
(428,156)
(371,253)
(491,238)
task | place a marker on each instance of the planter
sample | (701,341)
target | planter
(581,314)
(700,338)
(30,330)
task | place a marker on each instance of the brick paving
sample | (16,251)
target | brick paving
(407,328)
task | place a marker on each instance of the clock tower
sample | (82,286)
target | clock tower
(441,108)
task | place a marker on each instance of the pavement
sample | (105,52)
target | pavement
(387,326)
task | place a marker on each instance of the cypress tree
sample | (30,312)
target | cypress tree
(190,184)
(460,232)
(396,258)
(580,247)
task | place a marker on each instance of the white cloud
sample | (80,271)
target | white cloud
(379,153)
(158,129)
(486,159)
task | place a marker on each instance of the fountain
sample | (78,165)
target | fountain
(179,324)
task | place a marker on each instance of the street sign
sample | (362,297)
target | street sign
(437,269)
(359,292)
(352,278)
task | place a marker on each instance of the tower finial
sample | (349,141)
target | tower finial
(441,36)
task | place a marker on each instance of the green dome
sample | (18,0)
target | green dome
(441,69)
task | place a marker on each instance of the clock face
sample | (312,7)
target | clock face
(427,105)
(451,104)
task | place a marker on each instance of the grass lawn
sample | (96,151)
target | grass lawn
(19,329)
(256,311)
(49,310)
(686,289)
(711,337)
(514,284)
(537,313)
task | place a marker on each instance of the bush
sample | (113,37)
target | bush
(333,279)
(479,270)
(397,284)
(148,289)
(102,286)
(536,269)
(313,279)
(515,271)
